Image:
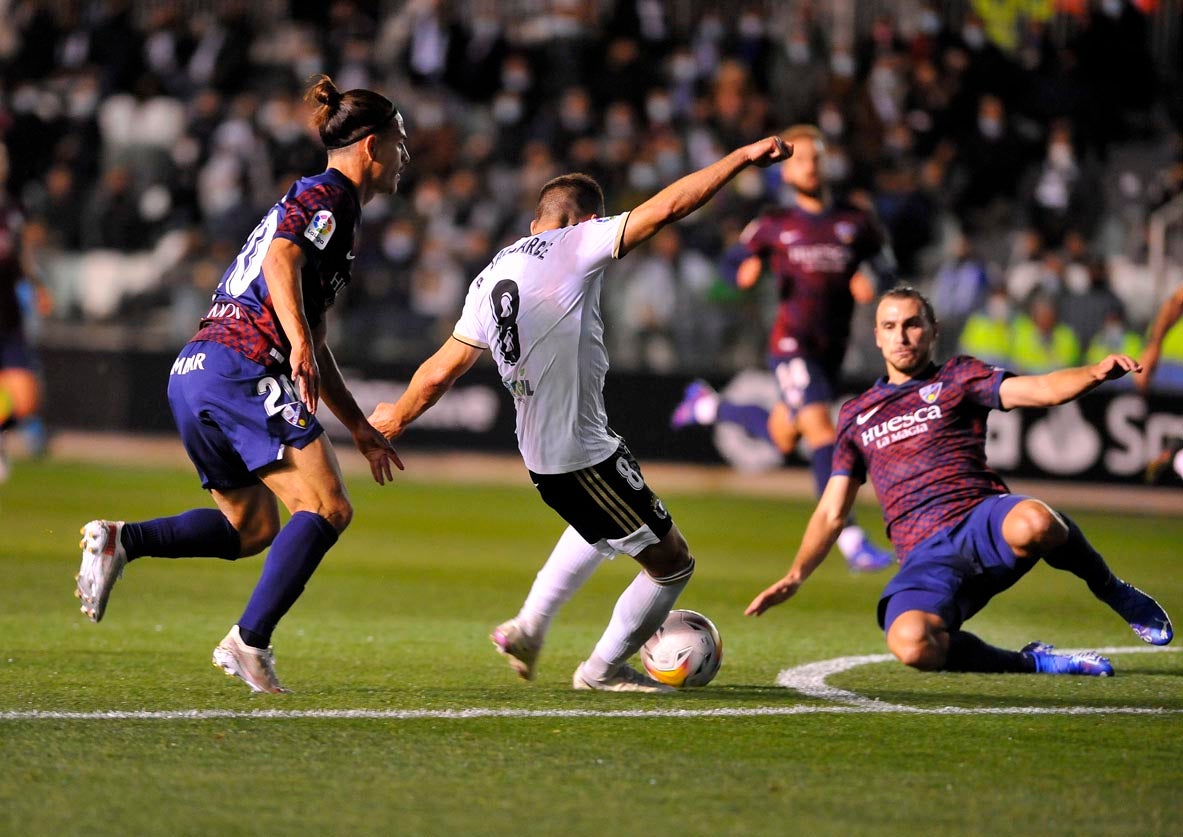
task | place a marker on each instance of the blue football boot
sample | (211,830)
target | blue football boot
(1088,663)
(1146,616)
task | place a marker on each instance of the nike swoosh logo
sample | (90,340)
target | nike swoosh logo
(349,256)
(865,417)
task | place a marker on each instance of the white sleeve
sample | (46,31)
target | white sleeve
(597,242)
(468,328)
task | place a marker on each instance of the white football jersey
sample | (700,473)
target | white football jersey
(537,308)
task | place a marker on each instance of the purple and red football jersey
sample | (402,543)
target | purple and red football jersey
(814,258)
(321,214)
(923,442)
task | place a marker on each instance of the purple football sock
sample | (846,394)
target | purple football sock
(294,556)
(197,533)
(751,417)
(969,653)
(1077,556)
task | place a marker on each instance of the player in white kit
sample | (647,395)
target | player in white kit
(536,307)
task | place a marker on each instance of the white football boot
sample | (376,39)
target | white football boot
(625,679)
(256,666)
(519,649)
(103,560)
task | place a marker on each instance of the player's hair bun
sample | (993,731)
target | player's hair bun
(343,118)
(325,96)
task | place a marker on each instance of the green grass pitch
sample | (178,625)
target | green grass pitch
(397,617)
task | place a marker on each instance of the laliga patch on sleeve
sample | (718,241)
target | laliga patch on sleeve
(320,229)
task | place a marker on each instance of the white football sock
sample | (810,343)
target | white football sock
(639,611)
(850,540)
(706,408)
(571,563)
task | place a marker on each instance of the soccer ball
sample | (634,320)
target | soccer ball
(685,651)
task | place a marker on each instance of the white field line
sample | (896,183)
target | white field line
(808,679)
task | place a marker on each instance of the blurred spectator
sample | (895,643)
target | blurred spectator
(1032,269)
(1115,337)
(1040,343)
(1060,197)
(111,219)
(1088,311)
(56,205)
(991,158)
(988,332)
(925,117)
(960,289)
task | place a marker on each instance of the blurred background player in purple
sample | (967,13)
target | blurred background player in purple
(245,390)
(962,538)
(815,247)
(20,388)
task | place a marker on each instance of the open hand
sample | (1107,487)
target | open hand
(377,449)
(781,591)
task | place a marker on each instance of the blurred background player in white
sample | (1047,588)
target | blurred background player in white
(537,308)
(920,435)
(245,390)
(817,247)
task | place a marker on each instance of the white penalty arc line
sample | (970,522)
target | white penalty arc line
(809,680)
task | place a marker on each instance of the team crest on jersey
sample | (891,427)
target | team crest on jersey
(930,393)
(320,229)
(293,414)
(845,231)
(659,508)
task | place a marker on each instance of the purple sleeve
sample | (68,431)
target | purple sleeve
(980,381)
(755,236)
(847,462)
(312,217)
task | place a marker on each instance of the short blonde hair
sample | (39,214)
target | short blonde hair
(803,131)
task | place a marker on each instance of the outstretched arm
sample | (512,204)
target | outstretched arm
(820,535)
(684,196)
(1168,315)
(334,393)
(431,380)
(1064,384)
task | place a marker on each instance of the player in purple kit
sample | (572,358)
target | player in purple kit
(815,248)
(245,390)
(920,433)
(20,389)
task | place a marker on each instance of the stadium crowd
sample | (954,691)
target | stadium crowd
(1013,163)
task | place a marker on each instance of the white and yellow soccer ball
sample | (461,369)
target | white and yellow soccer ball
(685,651)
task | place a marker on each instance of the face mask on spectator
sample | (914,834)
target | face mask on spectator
(998,308)
(659,109)
(1111,7)
(836,165)
(683,67)
(642,176)
(799,52)
(974,37)
(882,81)
(930,22)
(1060,155)
(516,79)
(398,246)
(750,26)
(507,109)
(831,122)
(990,127)
(842,64)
